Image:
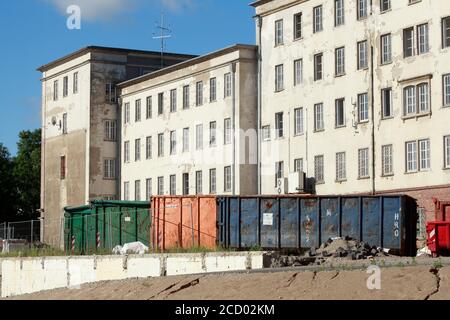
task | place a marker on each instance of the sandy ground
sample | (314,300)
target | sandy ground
(418,283)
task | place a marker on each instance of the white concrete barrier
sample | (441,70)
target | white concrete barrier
(28,275)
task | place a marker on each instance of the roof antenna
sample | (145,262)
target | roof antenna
(162,34)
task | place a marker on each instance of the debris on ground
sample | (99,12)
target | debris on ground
(424,252)
(131,248)
(335,248)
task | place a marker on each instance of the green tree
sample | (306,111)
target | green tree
(7,194)
(27,174)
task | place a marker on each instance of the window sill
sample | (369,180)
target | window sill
(266,140)
(109,179)
(416,116)
(446,106)
(280,90)
(387,175)
(364,122)
(363,69)
(340,75)
(340,181)
(363,178)
(385,11)
(387,118)
(318,131)
(318,183)
(299,135)
(382,64)
(340,127)
(298,39)
(446,168)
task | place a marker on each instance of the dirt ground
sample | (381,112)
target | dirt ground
(417,283)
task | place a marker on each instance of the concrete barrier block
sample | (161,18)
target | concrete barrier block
(55,273)
(110,268)
(143,267)
(225,263)
(184,264)
(257,260)
(80,271)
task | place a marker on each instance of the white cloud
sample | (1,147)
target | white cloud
(177,5)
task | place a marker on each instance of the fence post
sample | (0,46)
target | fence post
(32,232)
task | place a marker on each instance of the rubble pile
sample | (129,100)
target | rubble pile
(336,248)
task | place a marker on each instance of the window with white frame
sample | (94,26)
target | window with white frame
(173,142)
(173,100)
(55,90)
(173,185)
(137,190)
(279,171)
(137,150)
(279,77)
(160,186)
(319,169)
(424,148)
(228,91)
(446,32)
(148,189)
(416,99)
(75,82)
(297,26)
(110,130)
(298,121)
(278,32)
(149,146)
(111,93)
(447,152)
(298,165)
(227,131)
(109,169)
(160,103)
(341,173)
(363,107)
(279,125)
(199,137)
(186,184)
(199,93)
(227,179)
(411,156)
(266,133)
(424,99)
(138,110)
(446,89)
(340,113)
(212,89)
(65,86)
(186,97)
(126,152)
(186,140)
(386,103)
(318,66)
(362,9)
(410,100)
(387,160)
(339,12)
(149,108)
(127,115)
(213,134)
(317,19)
(212,181)
(318,117)
(126,191)
(161,145)
(362,55)
(422,39)
(298,72)
(199,182)
(363,163)
(385,5)
(386,48)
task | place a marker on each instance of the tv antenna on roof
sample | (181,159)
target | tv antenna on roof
(163,33)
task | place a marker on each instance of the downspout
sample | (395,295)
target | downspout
(259,22)
(119,148)
(372,81)
(233,69)
(43,131)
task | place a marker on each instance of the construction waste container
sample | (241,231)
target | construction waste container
(439,238)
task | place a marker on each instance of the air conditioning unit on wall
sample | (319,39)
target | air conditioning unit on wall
(297,182)
(282,186)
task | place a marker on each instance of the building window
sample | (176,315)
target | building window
(408,42)
(149,112)
(411,156)
(212,89)
(298,121)
(173,142)
(279,125)
(363,163)
(148,189)
(424,148)
(362,9)
(55,90)
(387,160)
(298,165)
(185,184)
(340,113)
(410,100)
(199,137)
(137,150)
(424,99)
(212,181)
(447,152)
(362,55)
(65,86)
(228,85)
(318,117)
(386,101)
(418,156)
(137,110)
(126,191)
(199,94)
(161,145)
(137,190)
(363,107)
(110,130)
(126,152)
(64,124)
(63,168)
(416,99)
(340,61)
(446,91)
(127,116)
(212,134)
(278,32)
(421,226)
(339,12)
(199,182)
(386,49)
(279,171)
(173,100)
(341,174)
(227,179)
(422,39)
(75,82)
(160,186)
(298,72)
(111,94)
(297,26)
(186,97)
(266,133)
(319,169)
(279,78)
(446,32)
(227,131)
(385,5)
(149,146)
(317,14)
(185,139)
(318,66)
(173,185)
(160,103)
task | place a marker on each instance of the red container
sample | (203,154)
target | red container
(442,210)
(184,222)
(439,237)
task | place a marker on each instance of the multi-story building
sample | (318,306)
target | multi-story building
(191,128)
(357,95)
(80,131)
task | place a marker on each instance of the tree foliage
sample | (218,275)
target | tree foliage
(7,194)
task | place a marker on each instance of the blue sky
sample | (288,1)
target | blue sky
(34,32)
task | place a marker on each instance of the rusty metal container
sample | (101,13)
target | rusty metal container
(184,222)
(294,222)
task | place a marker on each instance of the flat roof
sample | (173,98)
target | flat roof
(259,3)
(186,64)
(88,49)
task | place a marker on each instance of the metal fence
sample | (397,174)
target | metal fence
(22,230)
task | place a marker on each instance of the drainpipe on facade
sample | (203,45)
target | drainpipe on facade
(259,22)
(119,150)
(233,70)
(372,93)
